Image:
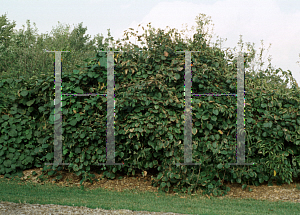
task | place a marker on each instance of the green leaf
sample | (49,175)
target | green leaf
(65,151)
(78,90)
(75,167)
(215,192)
(220,166)
(217,136)
(216,112)
(205,117)
(177,76)
(264,105)
(52,172)
(93,67)
(77,150)
(198,116)
(24,93)
(214,144)
(224,153)
(49,156)
(7,163)
(159,176)
(214,118)
(171,175)
(267,125)
(103,62)
(91,74)
(209,126)
(73,122)
(194,131)
(197,123)
(5,117)
(13,133)
(29,103)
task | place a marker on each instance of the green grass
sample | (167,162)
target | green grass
(33,193)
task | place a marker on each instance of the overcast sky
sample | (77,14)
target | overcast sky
(273,21)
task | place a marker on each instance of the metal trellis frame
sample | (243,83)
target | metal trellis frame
(110,144)
(188,112)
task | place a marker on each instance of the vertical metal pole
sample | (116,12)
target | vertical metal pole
(57,112)
(110,144)
(240,112)
(188,110)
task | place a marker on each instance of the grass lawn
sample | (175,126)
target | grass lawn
(18,191)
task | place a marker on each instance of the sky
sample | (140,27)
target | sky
(276,22)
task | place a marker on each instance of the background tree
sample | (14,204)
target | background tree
(265,79)
(22,52)
(6,32)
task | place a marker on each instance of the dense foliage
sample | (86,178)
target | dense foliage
(149,118)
